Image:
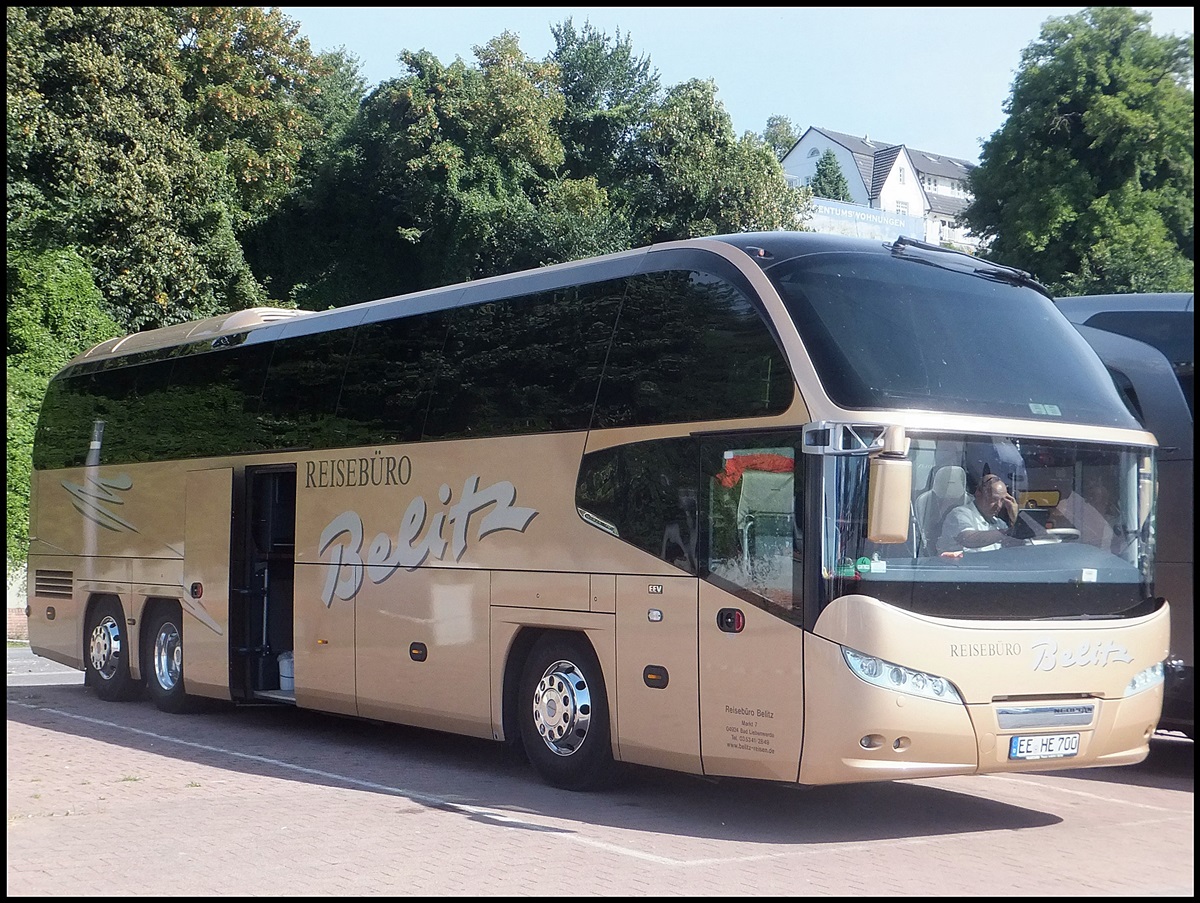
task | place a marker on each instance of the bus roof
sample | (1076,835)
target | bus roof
(1079,308)
(764,248)
(192,331)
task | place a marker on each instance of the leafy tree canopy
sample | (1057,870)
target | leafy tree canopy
(1090,182)
(780,135)
(244,68)
(694,177)
(54,311)
(147,137)
(438,171)
(459,171)
(608,94)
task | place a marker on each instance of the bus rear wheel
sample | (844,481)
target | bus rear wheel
(106,665)
(164,661)
(563,713)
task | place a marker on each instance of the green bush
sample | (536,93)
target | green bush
(54,312)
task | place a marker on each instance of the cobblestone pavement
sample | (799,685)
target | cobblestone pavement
(121,799)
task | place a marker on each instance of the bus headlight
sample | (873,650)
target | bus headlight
(890,676)
(1144,680)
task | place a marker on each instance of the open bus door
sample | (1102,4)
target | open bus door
(263,560)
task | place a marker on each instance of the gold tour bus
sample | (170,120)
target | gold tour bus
(696,506)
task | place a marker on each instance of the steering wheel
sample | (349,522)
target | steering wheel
(1064,534)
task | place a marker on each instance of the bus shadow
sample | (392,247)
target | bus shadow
(1171,765)
(483,780)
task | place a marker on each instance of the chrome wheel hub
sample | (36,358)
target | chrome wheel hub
(168,656)
(104,648)
(562,708)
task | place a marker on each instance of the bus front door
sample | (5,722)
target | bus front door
(263,562)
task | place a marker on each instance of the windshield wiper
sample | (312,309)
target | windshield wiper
(995,271)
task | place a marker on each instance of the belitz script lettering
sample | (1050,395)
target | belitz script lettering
(342,539)
(1047,655)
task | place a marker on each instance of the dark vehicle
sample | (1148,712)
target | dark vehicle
(1148,343)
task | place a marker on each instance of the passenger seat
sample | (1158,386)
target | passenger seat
(948,490)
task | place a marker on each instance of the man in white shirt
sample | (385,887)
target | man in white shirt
(977,526)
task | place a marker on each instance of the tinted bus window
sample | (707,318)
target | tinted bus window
(301,393)
(64,427)
(386,392)
(647,494)
(1171,332)
(896,332)
(129,402)
(690,346)
(524,365)
(215,398)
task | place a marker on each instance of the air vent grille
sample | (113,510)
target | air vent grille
(54,584)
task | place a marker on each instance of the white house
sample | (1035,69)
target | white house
(902,184)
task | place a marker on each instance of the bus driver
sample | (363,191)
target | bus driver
(978,525)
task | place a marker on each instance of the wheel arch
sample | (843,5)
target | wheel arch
(518,651)
(514,633)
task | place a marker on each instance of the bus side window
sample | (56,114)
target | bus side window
(645,494)
(753,538)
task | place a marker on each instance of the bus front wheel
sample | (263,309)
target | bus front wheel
(107,659)
(564,713)
(164,661)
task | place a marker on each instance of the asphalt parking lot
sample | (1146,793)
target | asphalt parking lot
(121,799)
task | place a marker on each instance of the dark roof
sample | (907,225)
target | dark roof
(945,206)
(882,166)
(863,153)
(939,164)
(865,149)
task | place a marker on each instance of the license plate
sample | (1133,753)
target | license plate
(1043,746)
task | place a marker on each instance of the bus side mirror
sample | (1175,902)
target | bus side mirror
(889,490)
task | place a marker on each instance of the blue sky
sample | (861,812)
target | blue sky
(931,78)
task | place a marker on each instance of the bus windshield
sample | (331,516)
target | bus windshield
(889,332)
(1076,531)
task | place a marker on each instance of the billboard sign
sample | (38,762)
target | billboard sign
(863,222)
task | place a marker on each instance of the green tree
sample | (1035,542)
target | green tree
(1090,182)
(54,311)
(780,135)
(829,181)
(337,89)
(452,172)
(608,94)
(139,142)
(291,248)
(458,171)
(147,137)
(694,177)
(246,83)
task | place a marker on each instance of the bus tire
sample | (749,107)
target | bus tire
(106,659)
(562,708)
(164,660)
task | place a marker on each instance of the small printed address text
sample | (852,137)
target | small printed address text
(749,731)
